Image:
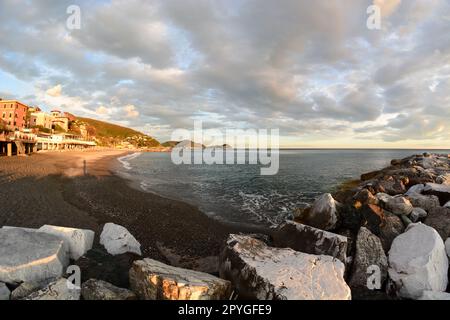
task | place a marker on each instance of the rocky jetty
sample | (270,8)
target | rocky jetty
(386,236)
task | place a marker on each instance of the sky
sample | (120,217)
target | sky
(312,69)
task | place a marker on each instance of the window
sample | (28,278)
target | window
(10,115)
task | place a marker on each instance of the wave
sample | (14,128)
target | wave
(124,160)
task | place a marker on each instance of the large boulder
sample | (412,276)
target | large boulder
(439,219)
(435,295)
(27,288)
(383,198)
(426,202)
(265,273)
(415,189)
(30,256)
(442,191)
(447,247)
(373,218)
(154,280)
(390,186)
(391,229)
(94,289)
(399,206)
(418,214)
(365,197)
(308,239)
(323,213)
(418,262)
(369,252)
(79,241)
(118,240)
(61,289)
(19,228)
(4,292)
(443,179)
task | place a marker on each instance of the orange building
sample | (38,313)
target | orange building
(13,114)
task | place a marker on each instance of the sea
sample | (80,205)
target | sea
(240,194)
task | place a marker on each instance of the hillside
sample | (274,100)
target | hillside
(108,134)
(184,144)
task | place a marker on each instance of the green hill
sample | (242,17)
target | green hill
(108,134)
(184,143)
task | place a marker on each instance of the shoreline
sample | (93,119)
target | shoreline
(51,188)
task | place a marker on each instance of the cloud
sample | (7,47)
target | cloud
(387,7)
(310,68)
(131,111)
(102,110)
(55,91)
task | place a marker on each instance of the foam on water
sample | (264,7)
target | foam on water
(125,160)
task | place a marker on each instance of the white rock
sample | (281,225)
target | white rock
(19,228)
(418,262)
(399,206)
(447,247)
(58,290)
(30,256)
(118,240)
(154,280)
(79,241)
(418,188)
(447,205)
(265,273)
(433,295)
(323,213)
(4,292)
(417,214)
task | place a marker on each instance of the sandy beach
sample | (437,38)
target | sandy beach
(52,188)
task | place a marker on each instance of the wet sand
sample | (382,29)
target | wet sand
(52,188)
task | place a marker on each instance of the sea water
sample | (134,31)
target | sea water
(239,194)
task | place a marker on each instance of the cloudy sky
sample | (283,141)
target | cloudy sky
(310,68)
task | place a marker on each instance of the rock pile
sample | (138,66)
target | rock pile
(33,263)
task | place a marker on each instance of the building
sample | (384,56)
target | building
(34,109)
(41,119)
(60,120)
(13,114)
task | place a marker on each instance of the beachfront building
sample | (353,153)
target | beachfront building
(13,114)
(17,142)
(63,141)
(60,120)
(41,119)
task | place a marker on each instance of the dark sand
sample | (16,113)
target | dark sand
(51,188)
